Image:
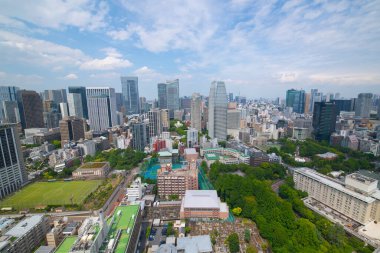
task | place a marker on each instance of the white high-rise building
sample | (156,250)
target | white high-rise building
(64,110)
(155,125)
(196,113)
(101,104)
(217,111)
(192,137)
(74,101)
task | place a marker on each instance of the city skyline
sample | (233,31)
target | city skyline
(260,49)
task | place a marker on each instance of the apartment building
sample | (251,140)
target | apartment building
(357,197)
(176,182)
(26,235)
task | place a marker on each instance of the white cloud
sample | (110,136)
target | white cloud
(16,79)
(57,14)
(189,26)
(71,76)
(113,60)
(287,77)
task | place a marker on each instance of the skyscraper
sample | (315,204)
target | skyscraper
(30,107)
(64,109)
(363,105)
(168,96)
(324,120)
(130,90)
(119,101)
(378,110)
(296,100)
(58,96)
(165,121)
(82,92)
(74,101)
(196,113)
(7,93)
(72,129)
(10,112)
(101,104)
(12,170)
(139,135)
(217,111)
(155,126)
(315,96)
(342,105)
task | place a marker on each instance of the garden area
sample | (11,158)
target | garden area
(287,224)
(347,160)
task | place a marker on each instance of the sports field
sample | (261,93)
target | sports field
(50,193)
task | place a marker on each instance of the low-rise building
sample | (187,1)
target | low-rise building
(224,155)
(92,170)
(55,236)
(191,155)
(134,191)
(203,204)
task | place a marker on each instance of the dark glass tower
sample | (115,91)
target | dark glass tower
(324,120)
(82,91)
(130,90)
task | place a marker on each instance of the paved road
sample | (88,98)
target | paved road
(142,240)
(275,186)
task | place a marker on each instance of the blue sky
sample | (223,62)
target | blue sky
(259,48)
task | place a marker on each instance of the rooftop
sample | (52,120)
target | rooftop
(24,226)
(124,220)
(201,199)
(66,244)
(195,244)
(164,153)
(93,165)
(190,151)
(335,184)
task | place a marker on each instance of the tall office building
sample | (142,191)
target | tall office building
(72,129)
(10,112)
(130,89)
(296,100)
(185,102)
(101,104)
(155,126)
(344,105)
(7,93)
(139,135)
(12,170)
(143,105)
(230,97)
(196,112)
(74,101)
(58,96)
(315,96)
(378,110)
(363,105)
(217,111)
(168,96)
(82,92)
(64,109)
(324,120)
(119,101)
(165,120)
(307,102)
(51,119)
(30,107)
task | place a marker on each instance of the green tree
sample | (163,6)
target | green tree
(237,211)
(247,235)
(233,243)
(251,249)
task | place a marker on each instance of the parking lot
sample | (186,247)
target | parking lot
(157,236)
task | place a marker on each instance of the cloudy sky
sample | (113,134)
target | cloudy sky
(259,48)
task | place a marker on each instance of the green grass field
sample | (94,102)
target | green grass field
(50,193)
